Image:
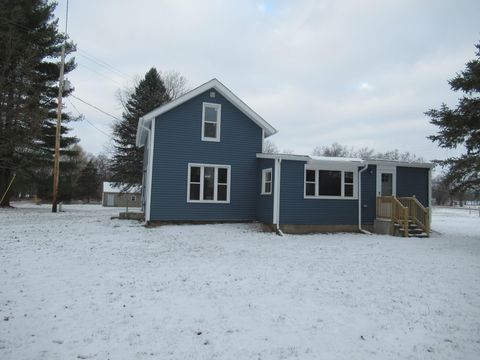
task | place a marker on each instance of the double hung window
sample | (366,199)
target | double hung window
(266,181)
(208,183)
(211,118)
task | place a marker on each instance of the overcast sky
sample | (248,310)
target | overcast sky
(361,73)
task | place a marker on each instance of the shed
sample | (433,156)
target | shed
(113,195)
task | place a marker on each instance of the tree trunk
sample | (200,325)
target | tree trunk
(5,179)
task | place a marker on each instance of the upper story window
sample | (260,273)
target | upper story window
(330,183)
(266,181)
(208,183)
(211,118)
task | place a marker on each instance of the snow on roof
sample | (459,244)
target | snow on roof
(336,159)
(344,160)
(109,187)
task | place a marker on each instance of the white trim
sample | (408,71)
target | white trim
(218,107)
(282,156)
(400,163)
(276,193)
(215,183)
(360,197)
(212,84)
(382,169)
(148,197)
(264,182)
(329,167)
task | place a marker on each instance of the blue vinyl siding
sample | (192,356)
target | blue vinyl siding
(178,142)
(295,210)
(265,202)
(413,182)
(369,189)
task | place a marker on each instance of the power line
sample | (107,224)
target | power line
(80,52)
(95,107)
(100,74)
(88,121)
(103,63)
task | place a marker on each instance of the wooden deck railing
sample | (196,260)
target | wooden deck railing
(389,207)
(417,212)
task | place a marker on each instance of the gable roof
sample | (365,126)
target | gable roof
(144,121)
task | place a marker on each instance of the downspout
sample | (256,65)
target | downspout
(360,200)
(144,198)
(276,197)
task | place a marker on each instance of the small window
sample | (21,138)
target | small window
(134,198)
(266,181)
(310,181)
(348,184)
(208,183)
(211,117)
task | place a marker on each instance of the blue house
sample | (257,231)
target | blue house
(203,162)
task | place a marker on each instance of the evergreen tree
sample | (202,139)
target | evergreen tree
(127,158)
(30,44)
(461,126)
(88,181)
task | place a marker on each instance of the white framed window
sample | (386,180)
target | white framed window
(133,198)
(208,183)
(211,119)
(266,182)
(330,183)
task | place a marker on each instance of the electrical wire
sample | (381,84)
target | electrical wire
(103,64)
(88,121)
(100,74)
(95,107)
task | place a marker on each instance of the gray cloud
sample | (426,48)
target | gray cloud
(360,73)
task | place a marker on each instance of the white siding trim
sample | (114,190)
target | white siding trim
(276,193)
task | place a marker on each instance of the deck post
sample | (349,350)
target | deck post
(405,222)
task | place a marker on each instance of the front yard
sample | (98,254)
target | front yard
(78,285)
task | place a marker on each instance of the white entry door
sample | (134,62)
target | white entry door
(386,181)
(110,199)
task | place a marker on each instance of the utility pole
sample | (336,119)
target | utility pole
(56,163)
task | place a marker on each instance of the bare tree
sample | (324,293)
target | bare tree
(269,147)
(175,83)
(334,150)
(366,153)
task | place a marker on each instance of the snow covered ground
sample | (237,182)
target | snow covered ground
(78,285)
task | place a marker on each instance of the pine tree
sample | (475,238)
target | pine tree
(88,182)
(30,44)
(461,127)
(127,158)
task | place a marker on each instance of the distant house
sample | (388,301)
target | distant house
(113,196)
(203,161)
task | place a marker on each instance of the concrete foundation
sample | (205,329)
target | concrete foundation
(383,226)
(132,216)
(308,229)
